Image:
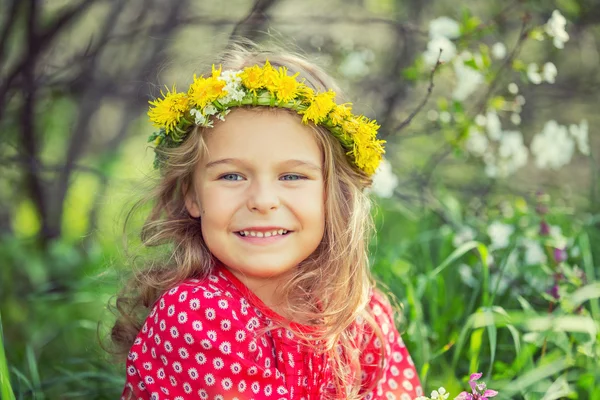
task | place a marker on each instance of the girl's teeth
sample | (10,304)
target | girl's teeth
(264,234)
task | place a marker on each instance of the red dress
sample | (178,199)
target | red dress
(200,341)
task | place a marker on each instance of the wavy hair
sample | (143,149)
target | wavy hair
(336,276)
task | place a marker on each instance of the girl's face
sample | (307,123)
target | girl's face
(260,194)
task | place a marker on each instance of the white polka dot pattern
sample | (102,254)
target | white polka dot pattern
(203,339)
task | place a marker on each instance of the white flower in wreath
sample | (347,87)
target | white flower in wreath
(199,118)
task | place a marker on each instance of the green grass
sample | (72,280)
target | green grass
(5,386)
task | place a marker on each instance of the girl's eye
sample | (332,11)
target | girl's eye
(292,177)
(231,177)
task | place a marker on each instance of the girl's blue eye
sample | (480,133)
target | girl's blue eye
(292,177)
(231,177)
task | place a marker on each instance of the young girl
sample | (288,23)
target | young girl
(266,292)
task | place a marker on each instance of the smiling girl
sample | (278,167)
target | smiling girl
(266,291)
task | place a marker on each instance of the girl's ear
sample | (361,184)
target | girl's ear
(191,203)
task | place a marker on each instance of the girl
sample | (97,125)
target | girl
(266,293)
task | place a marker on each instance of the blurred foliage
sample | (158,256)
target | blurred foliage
(73,93)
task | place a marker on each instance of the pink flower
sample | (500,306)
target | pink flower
(479,389)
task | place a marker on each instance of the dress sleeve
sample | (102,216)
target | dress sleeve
(196,344)
(398,376)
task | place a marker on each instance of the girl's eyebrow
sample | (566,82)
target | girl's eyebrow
(290,163)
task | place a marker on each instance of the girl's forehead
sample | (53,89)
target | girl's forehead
(272,134)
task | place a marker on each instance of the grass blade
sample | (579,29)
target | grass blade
(5,387)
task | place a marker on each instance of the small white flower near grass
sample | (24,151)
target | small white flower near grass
(500,233)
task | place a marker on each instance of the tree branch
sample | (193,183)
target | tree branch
(412,115)
(36,47)
(11,18)
(249,27)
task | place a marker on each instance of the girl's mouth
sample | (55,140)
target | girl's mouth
(257,234)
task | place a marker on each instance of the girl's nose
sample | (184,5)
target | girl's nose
(263,197)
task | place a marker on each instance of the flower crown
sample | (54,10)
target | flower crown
(213,97)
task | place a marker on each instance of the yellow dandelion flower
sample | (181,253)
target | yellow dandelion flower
(252,78)
(350,125)
(286,87)
(270,77)
(320,106)
(367,128)
(340,113)
(367,157)
(167,112)
(307,93)
(206,90)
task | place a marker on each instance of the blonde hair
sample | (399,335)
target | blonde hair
(336,276)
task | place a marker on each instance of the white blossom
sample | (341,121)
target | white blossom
(490,167)
(553,147)
(199,119)
(445,117)
(433,50)
(480,120)
(384,180)
(230,77)
(560,241)
(499,51)
(580,133)
(520,100)
(513,88)
(355,64)
(233,87)
(534,253)
(464,235)
(433,115)
(210,110)
(513,153)
(477,142)
(440,394)
(493,125)
(500,233)
(444,27)
(533,74)
(555,28)
(466,275)
(515,118)
(468,80)
(549,72)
